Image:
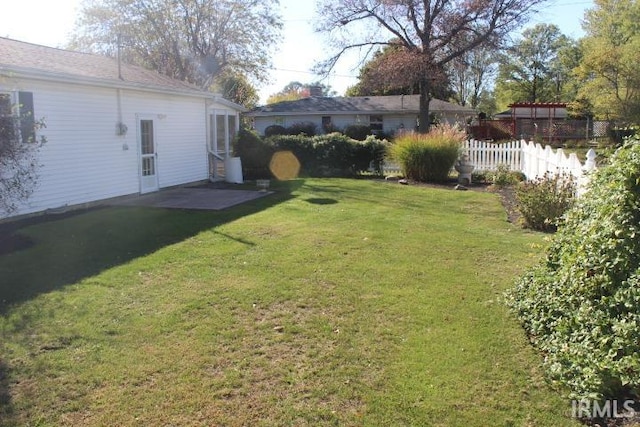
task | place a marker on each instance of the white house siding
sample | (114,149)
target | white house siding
(391,123)
(180,132)
(262,123)
(453,118)
(84,160)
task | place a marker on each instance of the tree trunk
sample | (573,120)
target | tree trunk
(424,121)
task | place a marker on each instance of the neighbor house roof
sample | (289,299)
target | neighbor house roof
(395,104)
(21,59)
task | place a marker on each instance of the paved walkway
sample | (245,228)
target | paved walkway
(193,198)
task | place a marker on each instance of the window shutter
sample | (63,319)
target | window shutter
(7,121)
(27,118)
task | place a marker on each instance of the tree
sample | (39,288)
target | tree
(611,49)
(190,40)
(470,74)
(296,90)
(19,147)
(430,33)
(487,103)
(236,88)
(531,70)
(373,82)
(567,81)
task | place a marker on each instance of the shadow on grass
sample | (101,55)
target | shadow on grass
(321,201)
(44,253)
(56,251)
(5,396)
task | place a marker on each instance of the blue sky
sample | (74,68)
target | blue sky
(49,23)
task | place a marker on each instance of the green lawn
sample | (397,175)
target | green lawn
(331,302)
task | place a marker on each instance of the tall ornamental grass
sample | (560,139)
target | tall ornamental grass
(428,157)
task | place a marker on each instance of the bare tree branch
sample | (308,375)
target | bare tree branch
(192,40)
(434,32)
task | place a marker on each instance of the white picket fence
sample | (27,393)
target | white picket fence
(486,156)
(532,159)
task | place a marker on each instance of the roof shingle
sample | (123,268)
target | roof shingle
(369,104)
(65,63)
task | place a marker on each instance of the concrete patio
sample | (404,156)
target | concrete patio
(203,198)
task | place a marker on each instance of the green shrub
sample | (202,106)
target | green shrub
(301,146)
(581,304)
(503,176)
(330,128)
(369,153)
(303,128)
(357,132)
(274,130)
(481,176)
(428,157)
(334,155)
(543,201)
(254,153)
(618,135)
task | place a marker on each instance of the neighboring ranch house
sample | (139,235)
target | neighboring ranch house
(386,114)
(112,129)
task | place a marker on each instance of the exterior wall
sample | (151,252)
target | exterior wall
(391,122)
(453,118)
(84,160)
(261,123)
(405,122)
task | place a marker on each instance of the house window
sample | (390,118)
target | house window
(7,120)
(221,135)
(27,119)
(375,123)
(223,129)
(232,127)
(16,118)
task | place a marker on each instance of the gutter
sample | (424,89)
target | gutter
(220,100)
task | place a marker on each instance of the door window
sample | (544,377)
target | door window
(147,147)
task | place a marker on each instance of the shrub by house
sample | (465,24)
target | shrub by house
(330,155)
(581,305)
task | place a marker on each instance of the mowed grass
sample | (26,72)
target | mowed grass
(331,302)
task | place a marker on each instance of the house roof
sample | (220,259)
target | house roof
(19,58)
(503,114)
(396,104)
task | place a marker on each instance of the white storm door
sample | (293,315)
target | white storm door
(148,156)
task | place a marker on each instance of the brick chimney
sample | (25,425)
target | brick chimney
(315,90)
